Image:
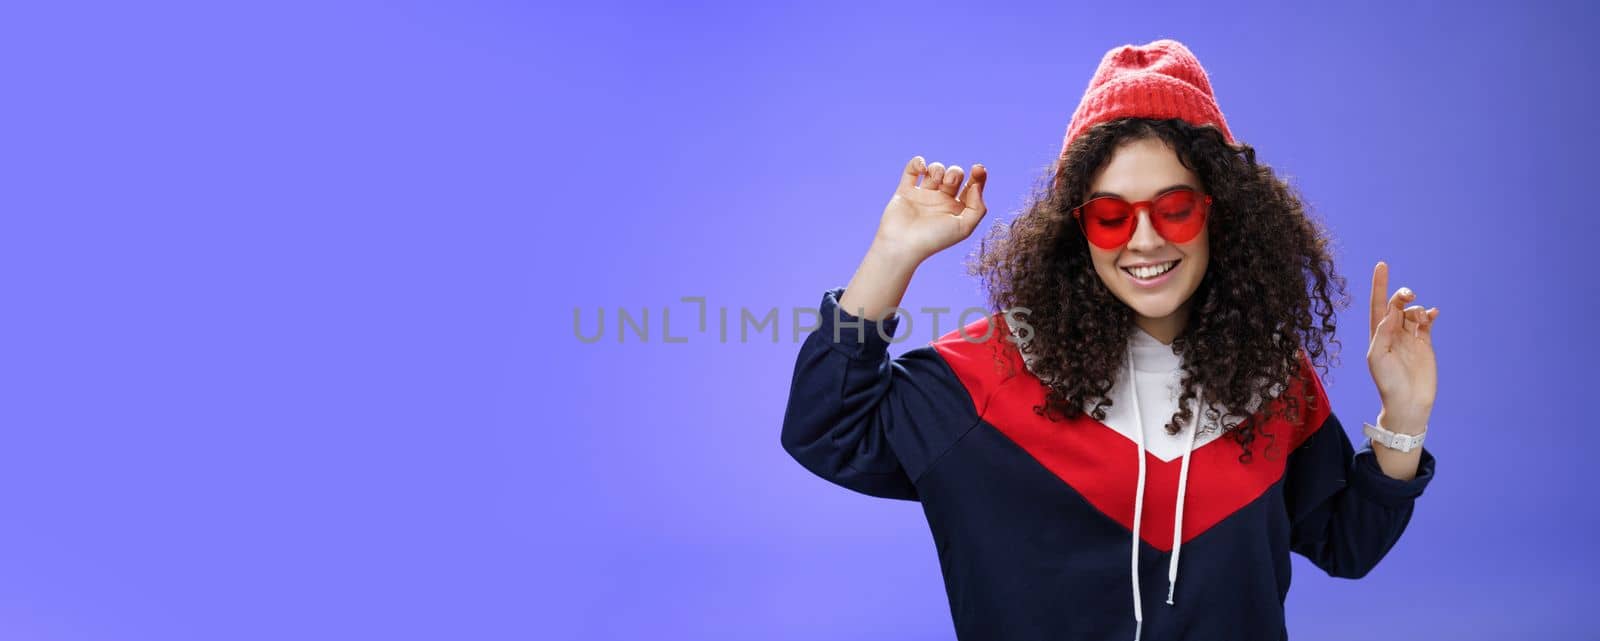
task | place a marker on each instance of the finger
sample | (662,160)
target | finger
(1380,293)
(934,177)
(972,194)
(1398,321)
(972,198)
(914,167)
(952,180)
(1426,329)
(1384,334)
(1401,297)
(1415,316)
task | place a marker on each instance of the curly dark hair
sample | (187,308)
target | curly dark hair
(1270,271)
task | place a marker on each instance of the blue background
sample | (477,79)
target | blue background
(289,294)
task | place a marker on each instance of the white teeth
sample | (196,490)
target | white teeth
(1147,273)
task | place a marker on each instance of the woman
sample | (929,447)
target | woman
(1105,429)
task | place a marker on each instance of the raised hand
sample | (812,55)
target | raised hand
(920,220)
(924,219)
(1401,354)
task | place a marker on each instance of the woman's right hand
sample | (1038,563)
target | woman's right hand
(923,220)
(919,221)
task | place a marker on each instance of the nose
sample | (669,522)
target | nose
(1144,232)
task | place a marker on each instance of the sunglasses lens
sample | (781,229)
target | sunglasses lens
(1179,215)
(1107,222)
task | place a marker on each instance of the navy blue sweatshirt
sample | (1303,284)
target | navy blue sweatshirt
(1033,519)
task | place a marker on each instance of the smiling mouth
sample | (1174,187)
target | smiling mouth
(1154,271)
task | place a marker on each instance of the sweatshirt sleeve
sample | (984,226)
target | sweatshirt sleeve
(1345,513)
(863,420)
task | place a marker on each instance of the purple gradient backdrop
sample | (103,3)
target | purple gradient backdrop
(289,293)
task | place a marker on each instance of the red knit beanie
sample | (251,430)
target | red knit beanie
(1161,79)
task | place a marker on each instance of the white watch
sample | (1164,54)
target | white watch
(1393,441)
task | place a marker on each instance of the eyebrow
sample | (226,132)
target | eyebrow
(1163,191)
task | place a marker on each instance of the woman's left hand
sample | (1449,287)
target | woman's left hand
(1401,355)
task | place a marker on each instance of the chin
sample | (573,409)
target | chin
(1153,309)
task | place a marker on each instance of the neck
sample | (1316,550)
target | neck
(1166,328)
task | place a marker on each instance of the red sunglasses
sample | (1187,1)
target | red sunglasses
(1109,221)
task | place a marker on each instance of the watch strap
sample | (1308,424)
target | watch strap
(1392,440)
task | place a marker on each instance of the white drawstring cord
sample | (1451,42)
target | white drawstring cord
(1138,502)
(1138,505)
(1183,487)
